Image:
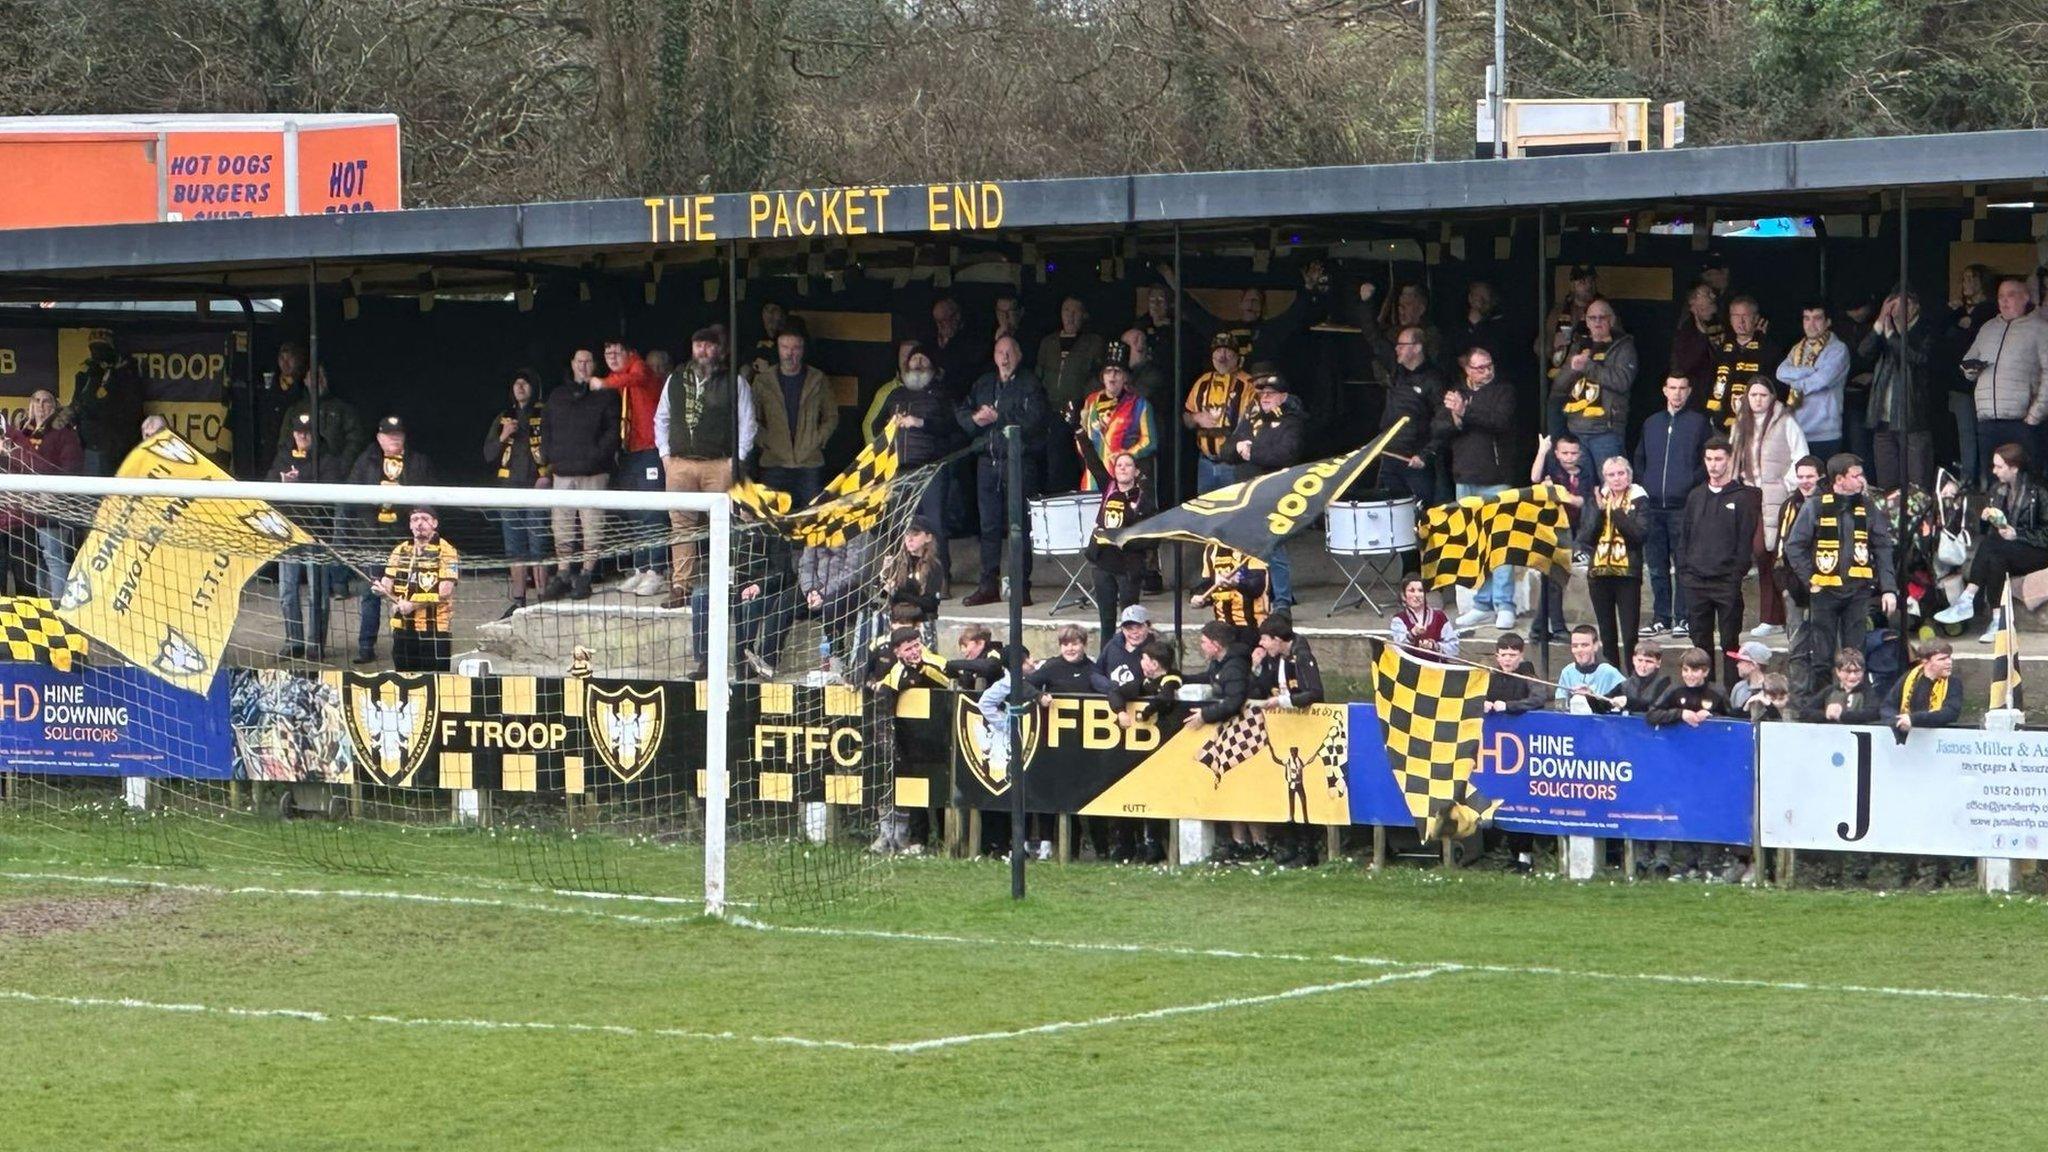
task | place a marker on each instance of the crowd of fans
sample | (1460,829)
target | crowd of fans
(1768,462)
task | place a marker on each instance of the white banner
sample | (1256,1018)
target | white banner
(1944,792)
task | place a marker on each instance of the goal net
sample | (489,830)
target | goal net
(475,685)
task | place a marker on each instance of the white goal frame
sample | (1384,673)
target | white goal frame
(717,507)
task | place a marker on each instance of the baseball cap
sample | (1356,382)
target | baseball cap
(1135,614)
(303,422)
(1754,652)
(391,424)
(1224,340)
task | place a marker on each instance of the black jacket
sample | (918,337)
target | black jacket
(1304,679)
(1021,400)
(1643,693)
(1517,694)
(1231,676)
(579,430)
(2022,503)
(1628,525)
(1156,698)
(1720,528)
(1059,674)
(1798,544)
(937,435)
(1479,449)
(1276,438)
(1683,699)
(389,521)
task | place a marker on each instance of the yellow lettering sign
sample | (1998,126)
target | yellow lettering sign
(680,219)
(963,207)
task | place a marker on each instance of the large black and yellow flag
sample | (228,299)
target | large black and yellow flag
(1253,515)
(159,580)
(2005,658)
(1463,542)
(854,502)
(1432,715)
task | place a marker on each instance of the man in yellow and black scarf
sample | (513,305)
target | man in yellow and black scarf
(1840,547)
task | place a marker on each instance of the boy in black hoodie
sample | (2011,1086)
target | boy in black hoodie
(1516,692)
(1641,691)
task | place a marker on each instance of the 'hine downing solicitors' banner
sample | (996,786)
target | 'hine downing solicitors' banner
(1953,792)
(109,722)
(1609,776)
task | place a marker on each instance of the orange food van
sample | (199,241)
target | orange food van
(66,170)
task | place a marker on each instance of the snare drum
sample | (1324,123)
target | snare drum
(1062,525)
(1371,527)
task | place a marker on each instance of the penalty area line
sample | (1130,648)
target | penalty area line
(628,1031)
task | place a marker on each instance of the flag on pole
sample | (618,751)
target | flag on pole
(1432,715)
(31,632)
(1253,515)
(1522,527)
(2005,657)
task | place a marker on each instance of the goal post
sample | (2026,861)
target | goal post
(111,565)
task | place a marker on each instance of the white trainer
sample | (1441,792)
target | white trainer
(1766,631)
(1958,612)
(1471,618)
(1990,635)
(1504,619)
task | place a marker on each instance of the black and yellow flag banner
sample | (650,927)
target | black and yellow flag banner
(1433,715)
(1464,542)
(32,633)
(159,580)
(1253,515)
(2005,658)
(854,502)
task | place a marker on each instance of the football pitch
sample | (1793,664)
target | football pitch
(1116,1008)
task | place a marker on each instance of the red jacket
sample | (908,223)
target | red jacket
(54,450)
(639,393)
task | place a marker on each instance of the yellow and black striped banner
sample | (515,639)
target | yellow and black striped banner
(2005,657)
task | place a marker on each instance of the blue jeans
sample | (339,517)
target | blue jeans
(55,545)
(1662,547)
(292,578)
(642,472)
(525,534)
(1279,578)
(1598,447)
(1498,593)
(1210,475)
(372,608)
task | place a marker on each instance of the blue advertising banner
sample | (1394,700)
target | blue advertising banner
(1563,775)
(111,722)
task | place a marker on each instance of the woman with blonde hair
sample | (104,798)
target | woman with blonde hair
(1768,444)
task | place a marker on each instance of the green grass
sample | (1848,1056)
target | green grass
(1515,1059)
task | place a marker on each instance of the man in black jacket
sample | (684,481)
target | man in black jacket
(1269,438)
(1718,528)
(1284,671)
(391,463)
(296,464)
(1229,673)
(579,439)
(1840,548)
(1415,389)
(1473,428)
(1009,394)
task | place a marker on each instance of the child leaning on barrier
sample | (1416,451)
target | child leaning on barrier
(1692,701)
(1850,701)
(1773,701)
(1641,691)
(1514,693)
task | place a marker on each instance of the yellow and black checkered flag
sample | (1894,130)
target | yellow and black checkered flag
(31,632)
(2005,661)
(1432,716)
(852,503)
(1463,543)
(1240,738)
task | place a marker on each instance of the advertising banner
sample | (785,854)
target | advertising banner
(1562,775)
(184,374)
(1953,792)
(109,722)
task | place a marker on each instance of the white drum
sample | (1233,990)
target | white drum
(1062,525)
(1370,527)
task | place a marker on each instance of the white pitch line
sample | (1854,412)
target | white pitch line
(351,894)
(1958,994)
(915,1046)
(896,1048)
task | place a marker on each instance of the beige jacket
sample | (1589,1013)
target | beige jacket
(817,418)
